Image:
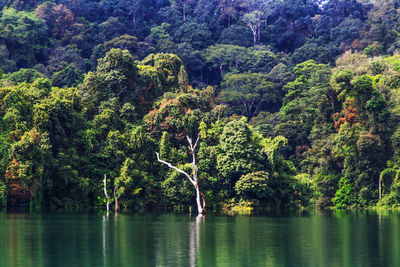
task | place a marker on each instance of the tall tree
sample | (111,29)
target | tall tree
(183,6)
(254,20)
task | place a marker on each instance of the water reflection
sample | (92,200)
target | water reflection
(104,229)
(194,229)
(325,239)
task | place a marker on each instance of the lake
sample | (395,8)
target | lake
(364,238)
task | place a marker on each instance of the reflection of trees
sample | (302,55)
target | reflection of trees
(19,245)
(339,239)
(177,241)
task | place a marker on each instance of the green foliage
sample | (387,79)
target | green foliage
(23,75)
(387,178)
(305,189)
(25,36)
(373,50)
(248,93)
(254,185)
(314,52)
(124,42)
(68,77)
(3,192)
(115,76)
(160,73)
(272,147)
(196,34)
(238,153)
(230,58)
(131,185)
(31,153)
(177,188)
(87,87)
(344,196)
(237,35)
(181,114)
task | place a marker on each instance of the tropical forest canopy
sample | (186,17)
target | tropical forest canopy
(297,102)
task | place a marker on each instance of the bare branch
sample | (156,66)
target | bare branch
(190,142)
(191,146)
(175,168)
(197,140)
(201,209)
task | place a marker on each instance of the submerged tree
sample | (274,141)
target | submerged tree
(200,207)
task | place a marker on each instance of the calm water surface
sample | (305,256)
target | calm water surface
(307,239)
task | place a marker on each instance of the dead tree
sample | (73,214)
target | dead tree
(116,200)
(105,192)
(200,208)
(380,186)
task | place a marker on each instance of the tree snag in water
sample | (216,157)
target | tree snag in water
(116,200)
(105,192)
(200,208)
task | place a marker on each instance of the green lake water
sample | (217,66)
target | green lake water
(308,239)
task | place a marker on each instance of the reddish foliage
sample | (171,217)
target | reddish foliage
(162,109)
(12,171)
(350,114)
(356,45)
(58,16)
(17,192)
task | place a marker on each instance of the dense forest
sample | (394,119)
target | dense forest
(295,102)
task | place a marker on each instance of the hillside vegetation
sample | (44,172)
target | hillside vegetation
(297,103)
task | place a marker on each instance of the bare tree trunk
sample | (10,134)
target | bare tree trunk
(199,207)
(116,200)
(105,192)
(184,11)
(221,68)
(194,181)
(204,202)
(380,187)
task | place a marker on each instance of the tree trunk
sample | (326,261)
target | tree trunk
(116,200)
(134,18)
(204,203)
(380,187)
(221,68)
(105,192)
(200,208)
